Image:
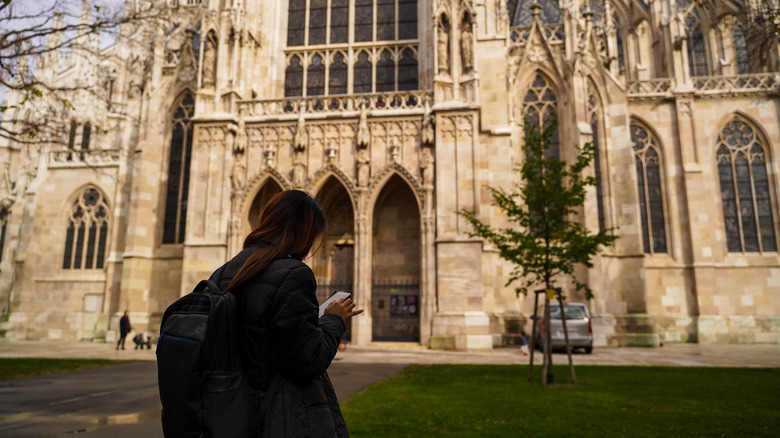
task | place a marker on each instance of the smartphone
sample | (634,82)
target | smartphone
(335,297)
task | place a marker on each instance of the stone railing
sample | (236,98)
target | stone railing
(650,88)
(376,102)
(554,34)
(88,158)
(737,84)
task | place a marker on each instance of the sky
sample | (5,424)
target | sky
(22,14)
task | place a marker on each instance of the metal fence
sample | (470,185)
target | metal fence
(395,310)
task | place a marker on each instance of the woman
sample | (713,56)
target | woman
(285,348)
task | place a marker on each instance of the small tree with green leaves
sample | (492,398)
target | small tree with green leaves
(545,240)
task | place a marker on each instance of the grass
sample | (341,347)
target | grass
(608,401)
(11,368)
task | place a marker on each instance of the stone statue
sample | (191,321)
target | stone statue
(363,167)
(426,165)
(467,46)
(363,133)
(428,133)
(395,150)
(209,62)
(241,139)
(443,46)
(300,139)
(299,175)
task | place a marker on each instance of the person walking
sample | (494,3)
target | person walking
(285,347)
(124,329)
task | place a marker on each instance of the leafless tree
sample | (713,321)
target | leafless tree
(759,21)
(33,34)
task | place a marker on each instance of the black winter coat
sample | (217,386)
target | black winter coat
(280,331)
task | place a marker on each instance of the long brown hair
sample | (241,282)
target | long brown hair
(289,225)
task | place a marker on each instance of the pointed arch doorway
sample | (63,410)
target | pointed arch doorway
(396,264)
(334,262)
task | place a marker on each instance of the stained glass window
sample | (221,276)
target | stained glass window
(293,78)
(594,108)
(362,69)
(385,20)
(745,189)
(385,72)
(339,21)
(338,75)
(740,48)
(651,193)
(351,47)
(72,135)
(87,232)
(296,22)
(315,80)
(85,135)
(521,16)
(539,109)
(407,19)
(407,71)
(178,172)
(697,51)
(318,11)
(364,20)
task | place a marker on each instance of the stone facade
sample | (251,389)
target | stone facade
(227,103)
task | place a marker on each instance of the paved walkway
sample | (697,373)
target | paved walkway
(122,401)
(671,354)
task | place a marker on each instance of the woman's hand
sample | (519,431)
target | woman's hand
(344,308)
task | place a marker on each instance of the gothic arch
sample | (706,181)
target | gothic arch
(384,176)
(525,81)
(88,218)
(750,120)
(748,198)
(652,186)
(257,182)
(331,170)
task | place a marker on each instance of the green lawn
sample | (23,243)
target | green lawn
(608,401)
(11,368)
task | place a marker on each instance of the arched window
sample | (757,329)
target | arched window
(178,172)
(337,82)
(539,109)
(694,38)
(740,49)
(362,80)
(87,233)
(745,189)
(315,77)
(407,71)
(293,78)
(72,135)
(594,110)
(647,154)
(385,72)
(85,135)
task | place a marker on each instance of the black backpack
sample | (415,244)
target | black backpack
(203,390)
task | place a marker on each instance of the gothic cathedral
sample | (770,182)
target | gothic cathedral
(395,115)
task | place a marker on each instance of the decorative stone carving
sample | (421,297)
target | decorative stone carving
(426,165)
(209,61)
(363,134)
(299,175)
(467,45)
(331,151)
(443,45)
(300,139)
(395,150)
(270,156)
(363,167)
(428,132)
